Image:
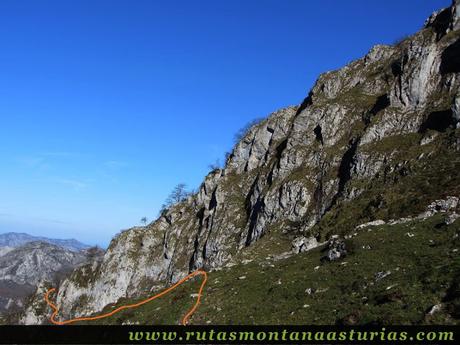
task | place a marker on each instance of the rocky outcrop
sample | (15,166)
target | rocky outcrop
(456,15)
(303,244)
(377,222)
(362,123)
(337,249)
(35,261)
(456,111)
(25,267)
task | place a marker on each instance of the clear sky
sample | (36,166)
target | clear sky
(106,105)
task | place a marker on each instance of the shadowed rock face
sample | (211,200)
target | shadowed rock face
(294,168)
(439,121)
(456,15)
(450,62)
(24,267)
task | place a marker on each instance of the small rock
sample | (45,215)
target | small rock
(401,221)
(309,291)
(451,218)
(443,206)
(434,309)
(427,139)
(242,278)
(373,223)
(381,275)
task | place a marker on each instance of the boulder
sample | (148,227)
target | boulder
(337,250)
(302,244)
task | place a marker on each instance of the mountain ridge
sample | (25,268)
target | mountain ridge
(375,140)
(16,239)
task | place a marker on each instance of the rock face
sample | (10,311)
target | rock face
(456,15)
(24,267)
(303,244)
(368,125)
(4,250)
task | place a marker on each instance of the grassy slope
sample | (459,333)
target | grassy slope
(423,269)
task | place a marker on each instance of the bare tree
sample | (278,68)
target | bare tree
(214,166)
(144,220)
(178,195)
(245,130)
(163,209)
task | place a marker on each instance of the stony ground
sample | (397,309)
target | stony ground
(393,274)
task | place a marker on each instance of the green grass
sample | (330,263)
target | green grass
(423,268)
(405,191)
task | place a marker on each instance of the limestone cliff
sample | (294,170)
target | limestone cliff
(360,135)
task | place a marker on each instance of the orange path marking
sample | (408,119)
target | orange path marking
(136,305)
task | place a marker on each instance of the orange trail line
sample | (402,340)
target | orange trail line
(136,305)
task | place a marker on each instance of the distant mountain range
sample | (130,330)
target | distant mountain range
(14,240)
(27,261)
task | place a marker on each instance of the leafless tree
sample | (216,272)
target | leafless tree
(178,195)
(245,130)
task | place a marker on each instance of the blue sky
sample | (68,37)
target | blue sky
(106,105)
